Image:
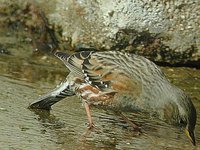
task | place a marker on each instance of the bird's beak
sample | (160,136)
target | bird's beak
(190,135)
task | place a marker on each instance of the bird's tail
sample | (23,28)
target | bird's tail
(49,99)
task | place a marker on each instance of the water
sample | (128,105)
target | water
(23,77)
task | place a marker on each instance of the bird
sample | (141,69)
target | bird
(121,81)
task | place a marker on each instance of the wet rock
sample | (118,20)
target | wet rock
(167,31)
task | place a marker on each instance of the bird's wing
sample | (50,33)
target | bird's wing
(74,62)
(99,69)
(110,70)
(88,66)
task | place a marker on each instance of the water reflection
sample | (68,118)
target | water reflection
(31,71)
(114,134)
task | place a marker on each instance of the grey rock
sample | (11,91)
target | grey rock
(165,31)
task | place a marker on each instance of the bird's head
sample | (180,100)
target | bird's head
(189,119)
(190,134)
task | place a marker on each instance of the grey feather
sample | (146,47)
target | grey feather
(54,96)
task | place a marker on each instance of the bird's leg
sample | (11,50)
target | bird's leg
(87,109)
(135,127)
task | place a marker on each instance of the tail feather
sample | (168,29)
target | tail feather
(44,103)
(49,99)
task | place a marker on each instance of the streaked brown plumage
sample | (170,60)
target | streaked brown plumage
(122,81)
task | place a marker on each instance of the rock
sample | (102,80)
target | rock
(167,31)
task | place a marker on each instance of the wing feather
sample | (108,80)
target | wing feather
(95,68)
